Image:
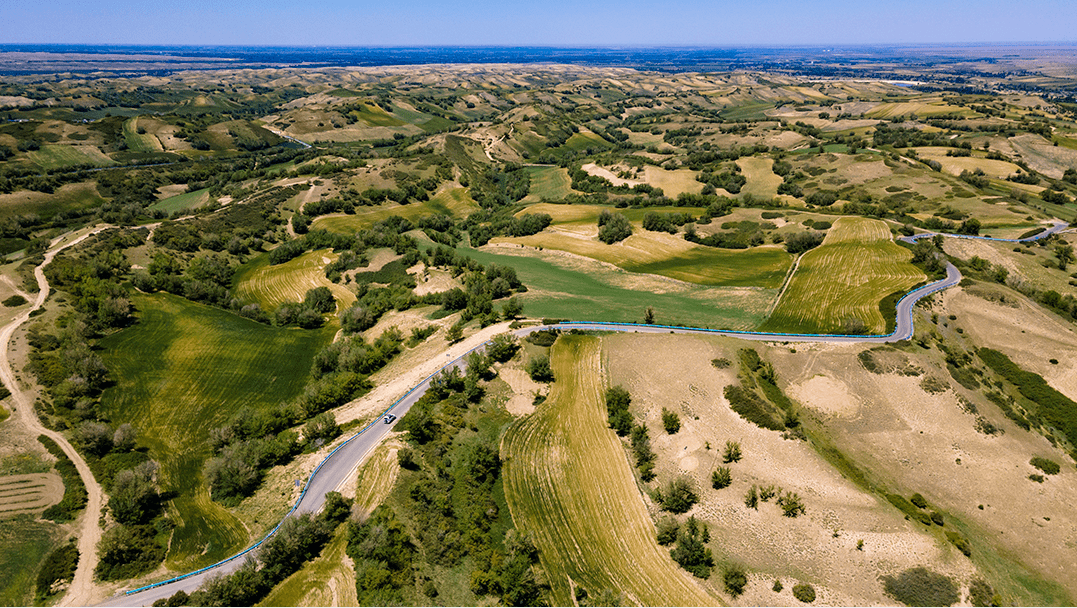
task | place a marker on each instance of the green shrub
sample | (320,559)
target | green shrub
(959,541)
(721,478)
(1036,477)
(691,552)
(15,300)
(751,498)
(804,592)
(933,385)
(671,421)
(921,587)
(721,363)
(936,518)
(918,500)
(74,490)
(1046,465)
(678,495)
(59,566)
(539,369)
(667,529)
(752,407)
(981,594)
(735,579)
(791,505)
(732,452)
(777,587)
(1057,409)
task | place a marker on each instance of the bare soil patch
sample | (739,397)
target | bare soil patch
(29,493)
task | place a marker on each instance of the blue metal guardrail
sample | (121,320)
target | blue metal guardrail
(926,291)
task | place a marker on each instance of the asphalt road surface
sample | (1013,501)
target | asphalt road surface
(339,466)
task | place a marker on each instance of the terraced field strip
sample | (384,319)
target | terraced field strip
(137,142)
(845,278)
(182,202)
(454,201)
(552,183)
(55,156)
(569,484)
(183,370)
(662,254)
(585,290)
(25,493)
(271,286)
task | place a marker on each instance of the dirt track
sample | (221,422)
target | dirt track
(81,592)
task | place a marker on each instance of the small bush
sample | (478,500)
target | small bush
(936,518)
(1036,477)
(960,542)
(933,385)
(921,587)
(732,452)
(918,500)
(15,300)
(721,478)
(671,421)
(679,495)
(539,369)
(791,505)
(804,592)
(751,499)
(778,586)
(735,579)
(721,363)
(981,594)
(1046,465)
(667,530)
(58,566)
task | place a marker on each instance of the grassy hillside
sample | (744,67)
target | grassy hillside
(183,370)
(270,286)
(568,482)
(844,279)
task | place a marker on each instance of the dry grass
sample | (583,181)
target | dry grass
(29,493)
(762,181)
(569,484)
(954,165)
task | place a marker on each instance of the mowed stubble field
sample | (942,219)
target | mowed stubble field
(272,285)
(183,370)
(568,482)
(845,278)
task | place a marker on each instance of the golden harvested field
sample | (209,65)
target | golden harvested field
(762,181)
(569,484)
(27,493)
(926,107)
(672,182)
(271,286)
(954,165)
(845,278)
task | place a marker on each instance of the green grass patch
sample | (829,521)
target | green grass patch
(24,544)
(183,370)
(57,156)
(374,116)
(564,293)
(182,202)
(748,111)
(550,183)
(139,142)
(580,142)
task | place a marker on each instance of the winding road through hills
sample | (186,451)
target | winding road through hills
(335,470)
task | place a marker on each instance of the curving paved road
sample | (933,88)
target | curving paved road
(333,472)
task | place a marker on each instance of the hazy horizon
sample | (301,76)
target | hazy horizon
(558,23)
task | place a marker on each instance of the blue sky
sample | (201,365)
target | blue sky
(552,23)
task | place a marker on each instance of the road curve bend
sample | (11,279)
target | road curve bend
(334,470)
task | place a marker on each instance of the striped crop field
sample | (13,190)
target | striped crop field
(575,229)
(856,267)
(271,286)
(568,482)
(136,142)
(55,156)
(183,370)
(552,183)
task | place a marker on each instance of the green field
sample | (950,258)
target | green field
(551,183)
(657,252)
(568,483)
(271,286)
(24,543)
(582,141)
(182,202)
(183,370)
(55,156)
(845,278)
(139,142)
(597,294)
(78,196)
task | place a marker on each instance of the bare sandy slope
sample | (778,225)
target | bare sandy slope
(675,372)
